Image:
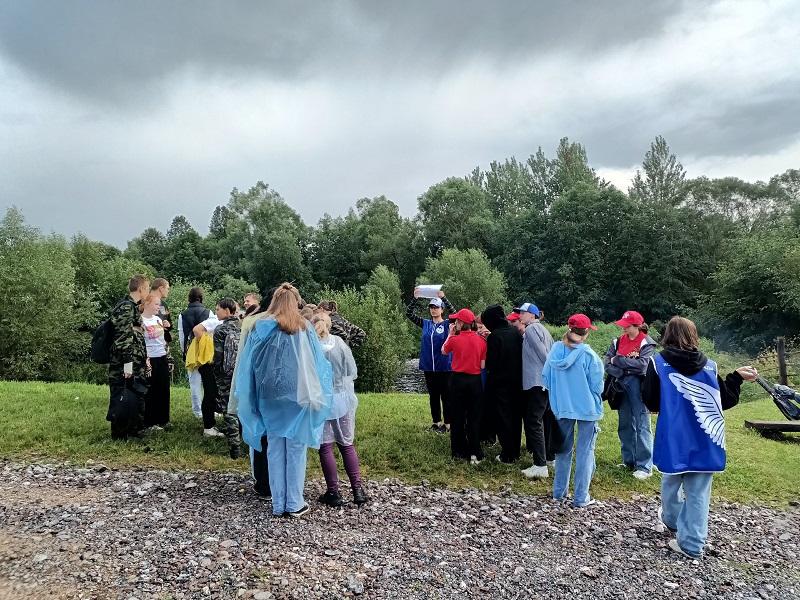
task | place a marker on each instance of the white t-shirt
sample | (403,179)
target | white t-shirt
(211,323)
(154,337)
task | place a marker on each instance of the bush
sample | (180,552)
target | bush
(388,341)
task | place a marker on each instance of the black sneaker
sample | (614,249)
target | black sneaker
(332,499)
(263,494)
(360,496)
(299,512)
(435,428)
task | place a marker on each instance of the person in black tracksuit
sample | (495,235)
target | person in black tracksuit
(504,378)
(195,314)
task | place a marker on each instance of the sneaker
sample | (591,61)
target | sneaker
(444,429)
(263,494)
(435,428)
(156,428)
(627,466)
(332,499)
(661,520)
(591,502)
(299,512)
(360,496)
(213,432)
(642,475)
(676,547)
(473,460)
(551,464)
(500,460)
(534,471)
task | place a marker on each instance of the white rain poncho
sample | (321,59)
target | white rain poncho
(341,424)
(284,385)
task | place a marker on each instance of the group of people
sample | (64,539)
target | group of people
(491,376)
(281,375)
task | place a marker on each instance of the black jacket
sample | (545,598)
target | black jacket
(195,314)
(503,350)
(687,362)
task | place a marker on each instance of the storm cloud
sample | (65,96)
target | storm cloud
(116,116)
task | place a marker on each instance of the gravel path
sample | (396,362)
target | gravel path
(94,532)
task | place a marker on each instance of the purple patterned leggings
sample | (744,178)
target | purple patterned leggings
(329,468)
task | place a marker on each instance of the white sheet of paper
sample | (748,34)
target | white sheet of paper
(429,291)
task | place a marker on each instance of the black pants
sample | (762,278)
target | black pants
(438,383)
(209,395)
(535,403)
(261,469)
(156,402)
(552,434)
(466,393)
(509,421)
(488,418)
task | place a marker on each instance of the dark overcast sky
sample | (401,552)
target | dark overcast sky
(116,116)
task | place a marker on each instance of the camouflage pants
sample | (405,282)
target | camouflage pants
(230,427)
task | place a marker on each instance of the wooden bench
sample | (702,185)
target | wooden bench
(772,427)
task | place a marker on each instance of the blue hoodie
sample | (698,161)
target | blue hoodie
(575,380)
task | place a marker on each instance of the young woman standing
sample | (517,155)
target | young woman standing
(573,374)
(685,389)
(466,392)
(284,387)
(341,424)
(159,364)
(435,365)
(627,359)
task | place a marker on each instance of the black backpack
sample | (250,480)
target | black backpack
(103,339)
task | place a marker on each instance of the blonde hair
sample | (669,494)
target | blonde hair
(574,336)
(147,300)
(284,309)
(322,325)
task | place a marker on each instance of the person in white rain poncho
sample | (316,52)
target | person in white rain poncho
(341,423)
(284,388)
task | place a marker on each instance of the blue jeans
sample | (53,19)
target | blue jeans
(584,459)
(684,501)
(635,436)
(287,473)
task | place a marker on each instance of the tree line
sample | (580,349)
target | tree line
(546,229)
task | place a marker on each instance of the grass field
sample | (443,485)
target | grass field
(44,421)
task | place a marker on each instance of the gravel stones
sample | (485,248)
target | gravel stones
(72,532)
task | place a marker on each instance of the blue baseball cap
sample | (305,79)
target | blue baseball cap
(528,307)
(437,302)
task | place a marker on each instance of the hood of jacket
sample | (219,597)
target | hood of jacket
(563,358)
(494,317)
(685,362)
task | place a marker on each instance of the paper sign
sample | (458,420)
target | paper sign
(429,291)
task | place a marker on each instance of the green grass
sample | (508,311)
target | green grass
(66,421)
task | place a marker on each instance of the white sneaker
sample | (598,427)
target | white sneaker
(551,464)
(535,471)
(661,520)
(642,475)
(473,460)
(213,432)
(156,428)
(675,546)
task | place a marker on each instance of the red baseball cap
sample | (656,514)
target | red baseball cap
(580,321)
(465,315)
(513,316)
(631,317)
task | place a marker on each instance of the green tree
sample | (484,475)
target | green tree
(663,178)
(455,214)
(388,283)
(468,279)
(335,249)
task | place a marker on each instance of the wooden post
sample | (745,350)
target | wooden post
(782,374)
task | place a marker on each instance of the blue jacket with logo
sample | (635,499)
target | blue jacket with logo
(433,338)
(684,388)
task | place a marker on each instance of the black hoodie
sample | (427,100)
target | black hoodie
(688,363)
(503,350)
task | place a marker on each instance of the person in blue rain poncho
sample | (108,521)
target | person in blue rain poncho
(284,390)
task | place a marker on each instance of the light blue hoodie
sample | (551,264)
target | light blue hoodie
(575,380)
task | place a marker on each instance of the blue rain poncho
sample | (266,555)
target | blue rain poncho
(284,385)
(341,423)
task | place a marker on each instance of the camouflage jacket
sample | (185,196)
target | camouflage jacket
(223,377)
(128,346)
(352,334)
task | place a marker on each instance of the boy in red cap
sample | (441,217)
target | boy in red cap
(469,357)
(627,359)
